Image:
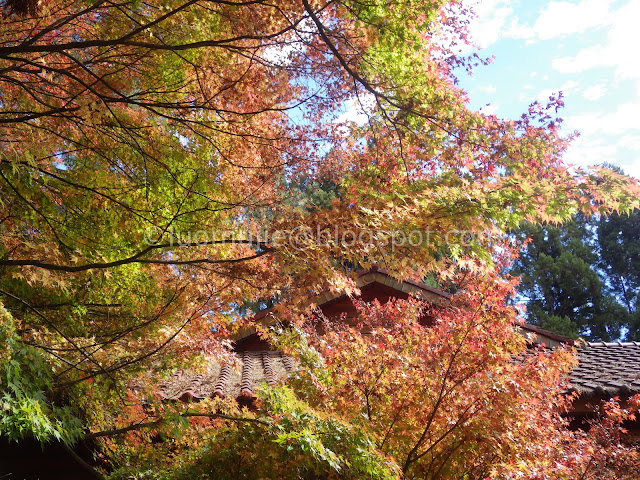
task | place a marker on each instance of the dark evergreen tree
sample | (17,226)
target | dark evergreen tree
(582,278)
(619,249)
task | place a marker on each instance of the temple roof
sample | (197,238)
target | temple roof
(241,378)
(604,370)
(607,369)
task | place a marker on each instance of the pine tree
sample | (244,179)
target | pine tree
(583,278)
(619,249)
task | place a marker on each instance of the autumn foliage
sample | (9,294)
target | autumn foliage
(387,397)
(153,158)
(463,398)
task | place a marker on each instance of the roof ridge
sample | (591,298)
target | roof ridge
(613,344)
(548,333)
(415,283)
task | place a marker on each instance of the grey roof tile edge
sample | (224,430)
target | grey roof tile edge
(256,368)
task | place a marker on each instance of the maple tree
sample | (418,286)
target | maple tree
(151,158)
(463,398)
(385,396)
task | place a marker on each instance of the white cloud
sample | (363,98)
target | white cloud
(596,152)
(495,19)
(618,52)
(491,16)
(568,87)
(278,54)
(587,124)
(490,109)
(564,18)
(358,109)
(594,92)
(632,167)
(587,152)
(543,95)
(622,119)
(488,88)
(632,142)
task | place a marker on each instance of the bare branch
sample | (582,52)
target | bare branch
(137,258)
(157,423)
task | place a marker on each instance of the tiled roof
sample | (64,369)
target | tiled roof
(235,380)
(607,369)
(604,370)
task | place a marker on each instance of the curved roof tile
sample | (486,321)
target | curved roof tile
(233,380)
(607,369)
(604,370)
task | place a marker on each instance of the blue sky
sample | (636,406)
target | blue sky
(585,48)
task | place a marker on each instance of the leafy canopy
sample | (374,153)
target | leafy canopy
(152,157)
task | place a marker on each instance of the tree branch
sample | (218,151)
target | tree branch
(137,257)
(88,468)
(155,423)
